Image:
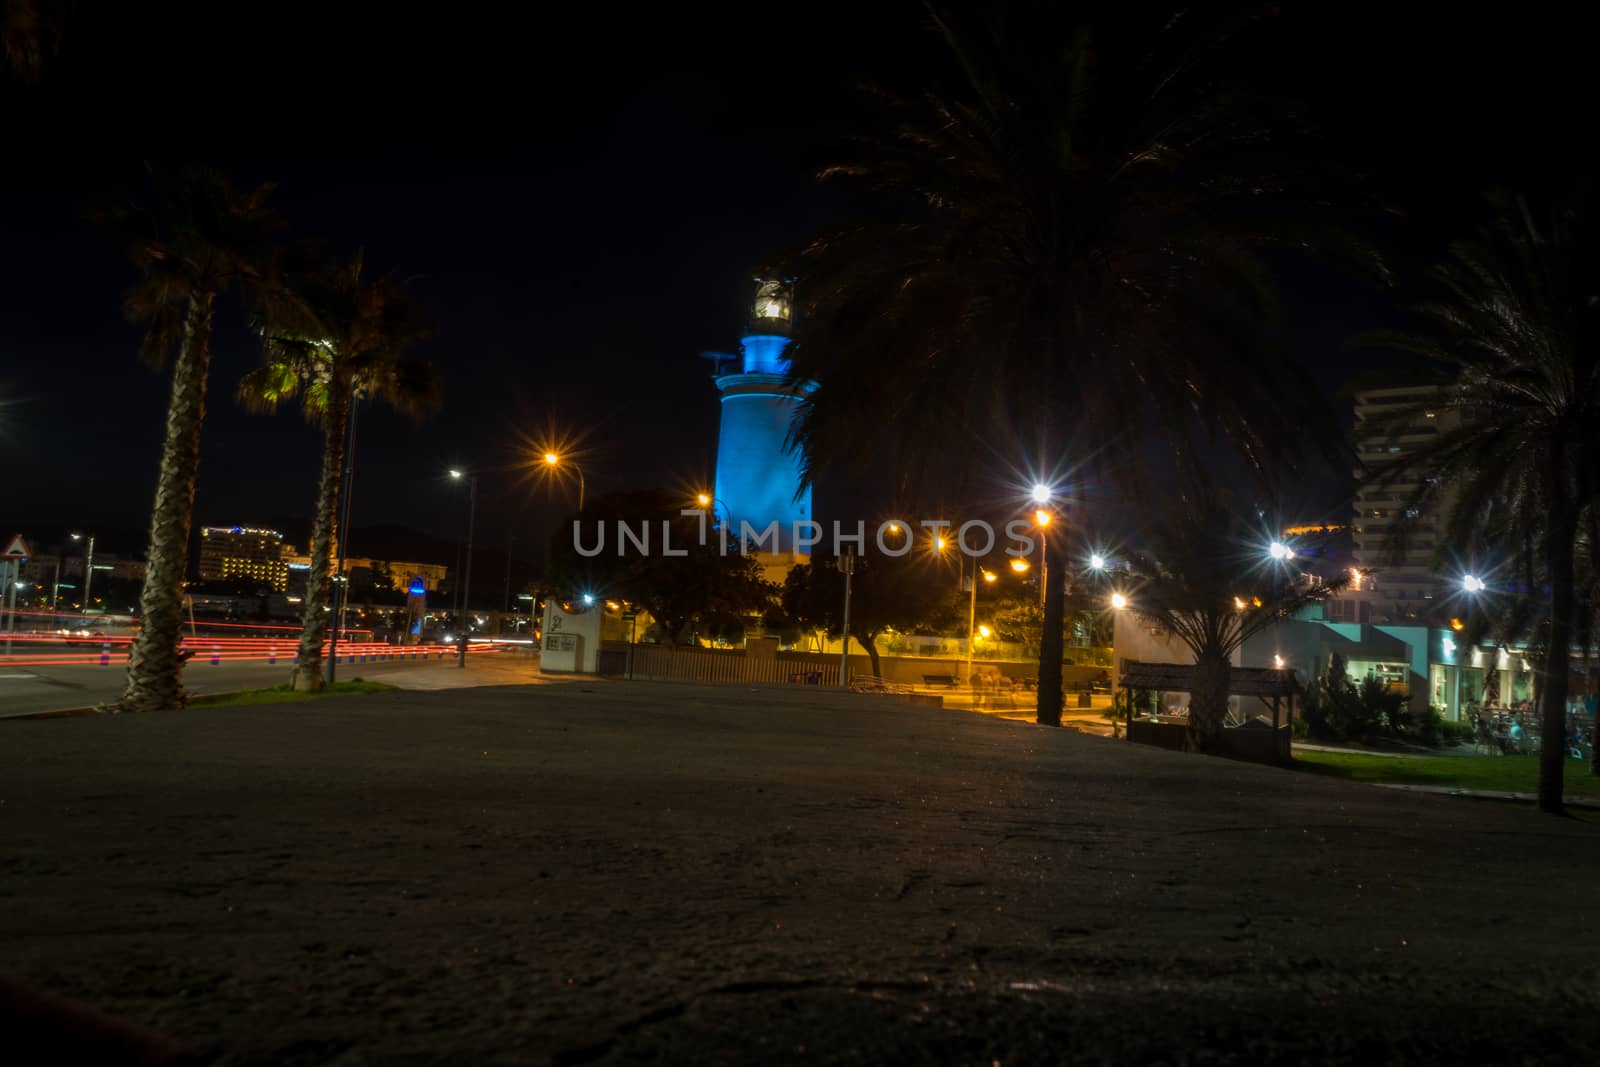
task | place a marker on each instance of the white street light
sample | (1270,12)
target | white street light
(1472,584)
(1118,601)
(1280,551)
(1097,562)
(1041,493)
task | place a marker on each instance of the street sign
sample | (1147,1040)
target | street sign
(17,548)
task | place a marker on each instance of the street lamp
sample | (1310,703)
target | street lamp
(1280,551)
(707,502)
(88,569)
(1021,566)
(1118,601)
(555,459)
(1097,562)
(466,582)
(1041,493)
(1472,584)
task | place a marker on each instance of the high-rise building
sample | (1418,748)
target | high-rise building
(1396,538)
(244,552)
(758,473)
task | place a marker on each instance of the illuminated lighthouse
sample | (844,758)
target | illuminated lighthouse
(758,474)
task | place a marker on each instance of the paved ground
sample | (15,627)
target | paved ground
(631,872)
(28,690)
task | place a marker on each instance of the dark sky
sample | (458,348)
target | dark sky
(582,199)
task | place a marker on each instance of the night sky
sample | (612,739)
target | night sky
(582,200)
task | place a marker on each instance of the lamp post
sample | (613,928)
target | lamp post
(88,570)
(466,581)
(707,502)
(1281,554)
(972,614)
(1041,519)
(847,563)
(555,459)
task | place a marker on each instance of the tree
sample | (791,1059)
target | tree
(1205,579)
(1071,242)
(1515,342)
(29,31)
(198,236)
(695,585)
(332,340)
(886,593)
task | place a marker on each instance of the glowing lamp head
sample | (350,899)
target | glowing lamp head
(1020,566)
(1280,551)
(703,499)
(588,598)
(938,544)
(1119,601)
(551,458)
(457,473)
(1277,661)
(894,527)
(1238,603)
(1457,625)
(1472,584)
(989,576)
(984,631)
(1041,517)
(1097,562)
(1041,493)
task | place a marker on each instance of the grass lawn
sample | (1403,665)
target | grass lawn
(285,694)
(1518,774)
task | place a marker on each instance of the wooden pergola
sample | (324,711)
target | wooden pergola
(1264,683)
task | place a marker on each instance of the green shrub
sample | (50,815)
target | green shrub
(1299,728)
(1338,710)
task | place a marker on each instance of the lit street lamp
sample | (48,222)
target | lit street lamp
(1472,584)
(88,569)
(1118,601)
(466,581)
(555,459)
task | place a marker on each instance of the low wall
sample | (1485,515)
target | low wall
(1254,744)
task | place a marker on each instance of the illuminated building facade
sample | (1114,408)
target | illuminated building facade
(1396,539)
(758,473)
(244,552)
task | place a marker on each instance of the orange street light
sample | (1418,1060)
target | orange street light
(1020,566)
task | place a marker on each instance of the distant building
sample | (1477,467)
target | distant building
(401,572)
(1395,540)
(244,552)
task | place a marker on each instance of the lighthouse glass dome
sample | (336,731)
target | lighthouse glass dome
(772,301)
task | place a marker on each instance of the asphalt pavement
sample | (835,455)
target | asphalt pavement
(616,872)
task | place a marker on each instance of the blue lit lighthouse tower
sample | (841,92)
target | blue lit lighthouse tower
(758,474)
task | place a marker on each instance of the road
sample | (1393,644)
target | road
(32,689)
(623,872)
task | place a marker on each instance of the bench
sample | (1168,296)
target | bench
(946,680)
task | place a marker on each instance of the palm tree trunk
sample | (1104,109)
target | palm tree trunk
(1052,638)
(154,670)
(1208,704)
(308,675)
(1557,660)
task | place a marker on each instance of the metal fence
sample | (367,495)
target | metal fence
(659,663)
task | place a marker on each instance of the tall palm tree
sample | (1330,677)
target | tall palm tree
(1515,340)
(197,236)
(1205,579)
(29,31)
(332,340)
(1073,243)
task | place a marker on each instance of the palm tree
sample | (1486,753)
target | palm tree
(198,236)
(29,30)
(1516,343)
(1207,581)
(1073,244)
(333,340)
